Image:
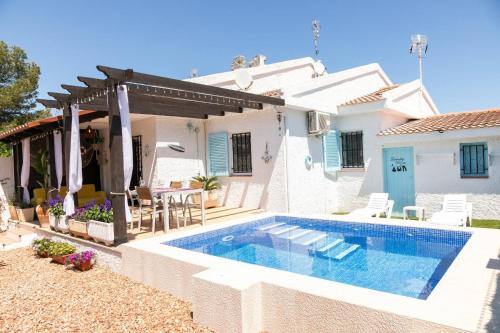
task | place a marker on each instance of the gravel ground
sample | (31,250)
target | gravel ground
(39,296)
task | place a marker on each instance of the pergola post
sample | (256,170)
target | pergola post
(116,165)
(67,139)
(52,166)
(17,169)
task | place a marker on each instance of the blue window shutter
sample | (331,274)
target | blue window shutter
(218,159)
(474,159)
(331,151)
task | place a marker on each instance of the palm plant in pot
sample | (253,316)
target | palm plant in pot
(100,223)
(210,185)
(41,167)
(57,216)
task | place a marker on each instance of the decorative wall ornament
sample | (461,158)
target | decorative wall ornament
(279,117)
(308,162)
(266,157)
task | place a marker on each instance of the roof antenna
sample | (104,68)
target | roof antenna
(315,29)
(419,47)
(194,73)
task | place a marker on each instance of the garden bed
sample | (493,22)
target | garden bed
(42,298)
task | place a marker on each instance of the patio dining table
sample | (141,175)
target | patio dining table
(166,192)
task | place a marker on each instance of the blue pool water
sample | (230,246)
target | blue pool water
(400,260)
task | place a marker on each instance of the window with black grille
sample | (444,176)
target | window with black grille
(352,150)
(242,153)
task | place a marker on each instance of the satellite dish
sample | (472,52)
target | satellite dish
(243,79)
(319,68)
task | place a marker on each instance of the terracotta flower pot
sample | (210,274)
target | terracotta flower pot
(78,228)
(43,254)
(60,259)
(13,213)
(84,266)
(26,214)
(43,216)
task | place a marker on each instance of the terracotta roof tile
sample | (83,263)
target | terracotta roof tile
(371,97)
(448,121)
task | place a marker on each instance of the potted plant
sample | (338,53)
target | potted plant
(57,217)
(41,247)
(100,223)
(78,222)
(210,185)
(41,167)
(12,210)
(59,251)
(82,261)
(25,212)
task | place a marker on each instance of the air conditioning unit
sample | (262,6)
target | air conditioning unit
(318,123)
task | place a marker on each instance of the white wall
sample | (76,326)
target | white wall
(164,164)
(265,188)
(437,169)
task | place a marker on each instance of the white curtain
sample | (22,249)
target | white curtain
(128,163)
(75,162)
(58,157)
(25,169)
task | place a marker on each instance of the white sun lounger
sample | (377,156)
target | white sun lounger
(455,211)
(378,204)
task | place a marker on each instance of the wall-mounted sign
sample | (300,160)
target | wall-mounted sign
(398,164)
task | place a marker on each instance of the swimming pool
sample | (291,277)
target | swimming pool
(407,261)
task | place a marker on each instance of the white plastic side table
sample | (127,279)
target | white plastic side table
(419,211)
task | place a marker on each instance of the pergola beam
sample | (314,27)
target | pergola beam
(49,103)
(60,97)
(92,82)
(153,80)
(171,102)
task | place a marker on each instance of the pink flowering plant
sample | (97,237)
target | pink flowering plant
(81,257)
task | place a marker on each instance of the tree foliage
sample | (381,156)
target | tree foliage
(18,90)
(18,83)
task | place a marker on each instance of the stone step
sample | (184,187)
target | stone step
(331,245)
(269,226)
(294,234)
(282,229)
(346,252)
(311,238)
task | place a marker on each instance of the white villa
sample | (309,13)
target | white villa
(384,137)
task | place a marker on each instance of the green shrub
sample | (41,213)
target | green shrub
(41,246)
(60,249)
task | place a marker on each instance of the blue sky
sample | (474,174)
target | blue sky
(69,38)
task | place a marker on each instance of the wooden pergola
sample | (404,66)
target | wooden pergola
(148,94)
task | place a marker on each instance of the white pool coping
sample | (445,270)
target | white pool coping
(457,301)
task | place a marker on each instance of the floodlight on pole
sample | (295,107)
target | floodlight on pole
(419,47)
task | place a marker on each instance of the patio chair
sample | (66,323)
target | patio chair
(378,204)
(455,211)
(192,200)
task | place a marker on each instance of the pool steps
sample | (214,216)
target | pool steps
(311,239)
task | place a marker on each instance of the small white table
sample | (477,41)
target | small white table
(419,211)
(168,192)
